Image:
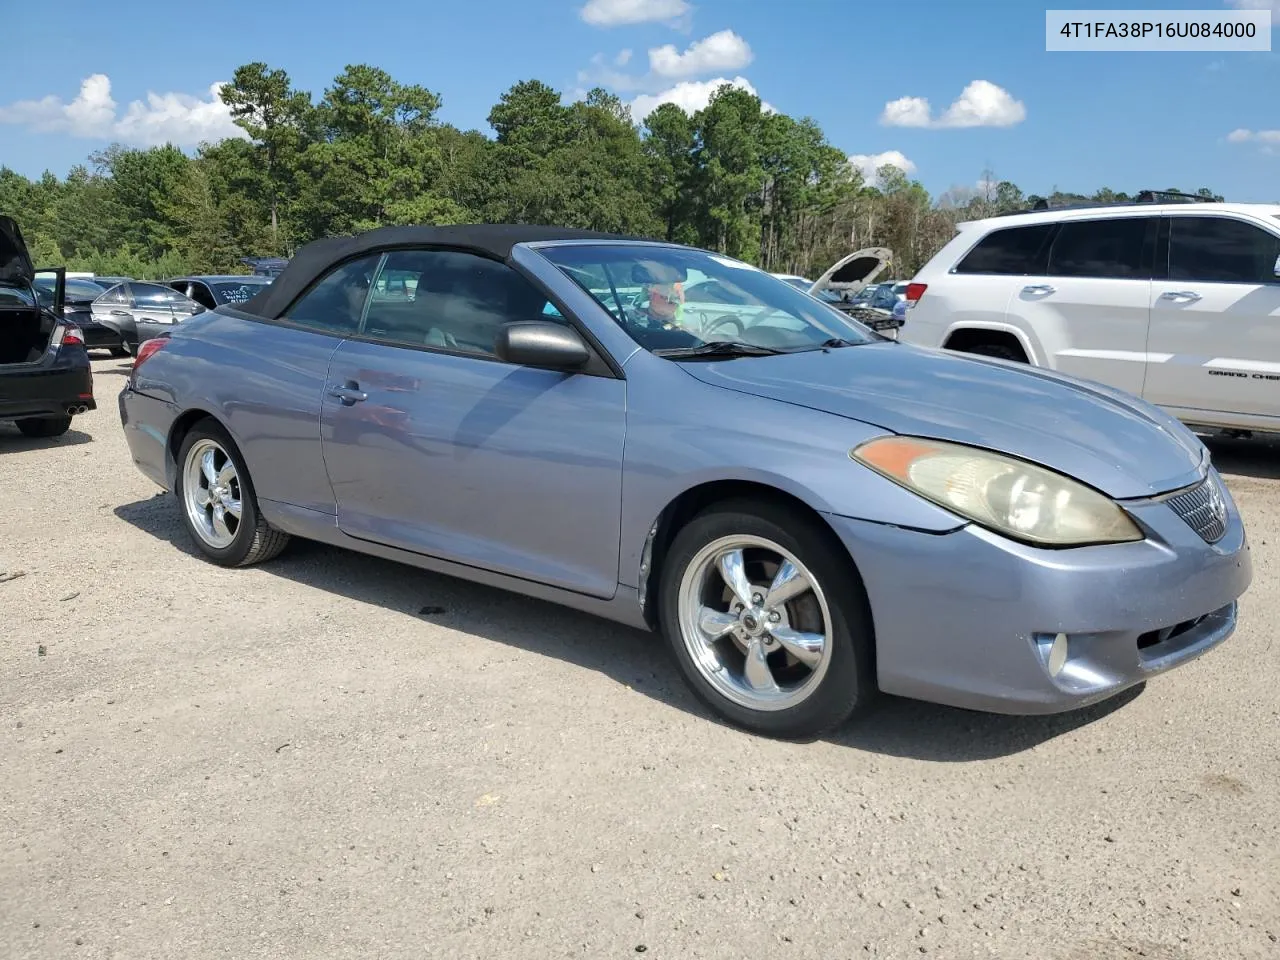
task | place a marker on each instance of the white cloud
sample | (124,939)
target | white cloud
(90,114)
(720,51)
(980,104)
(906,112)
(690,95)
(601,74)
(613,13)
(177,118)
(1253,136)
(868,163)
(622,59)
(1272,5)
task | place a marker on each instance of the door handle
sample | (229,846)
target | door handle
(350,393)
(119,313)
(1038,288)
(1188,295)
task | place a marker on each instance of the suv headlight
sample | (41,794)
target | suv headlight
(1012,497)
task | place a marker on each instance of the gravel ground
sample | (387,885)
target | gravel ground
(334,756)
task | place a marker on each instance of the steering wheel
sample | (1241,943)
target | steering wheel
(725,320)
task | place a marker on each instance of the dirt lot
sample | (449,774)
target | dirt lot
(333,756)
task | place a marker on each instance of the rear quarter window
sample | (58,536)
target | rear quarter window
(1010,251)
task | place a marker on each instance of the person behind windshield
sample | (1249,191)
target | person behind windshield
(666,304)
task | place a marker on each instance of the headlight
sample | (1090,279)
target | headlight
(1004,494)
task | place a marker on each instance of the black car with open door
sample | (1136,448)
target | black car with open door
(45,376)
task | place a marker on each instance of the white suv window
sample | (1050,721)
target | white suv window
(1101,249)
(1221,250)
(1013,251)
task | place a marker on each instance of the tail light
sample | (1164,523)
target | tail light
(66,335)
(914,292)
(147,349)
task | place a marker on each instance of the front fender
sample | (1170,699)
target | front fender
(795,450)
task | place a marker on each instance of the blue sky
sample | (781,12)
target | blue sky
(1075,121)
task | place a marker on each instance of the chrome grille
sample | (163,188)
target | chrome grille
(1204,509)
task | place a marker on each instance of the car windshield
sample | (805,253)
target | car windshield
(237,291)
(77,290)
(674,298)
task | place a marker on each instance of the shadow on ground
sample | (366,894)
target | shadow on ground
(11,441)
(1257,457)
(897,727)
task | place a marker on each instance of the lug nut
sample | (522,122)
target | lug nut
(774,616)
(757,599)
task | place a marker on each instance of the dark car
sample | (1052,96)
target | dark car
(214,291)
(77,307)
(138,310)
(45,377)
(269,267)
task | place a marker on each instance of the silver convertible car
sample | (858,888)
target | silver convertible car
(809,512)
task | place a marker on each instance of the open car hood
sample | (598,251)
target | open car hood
(850,274)
(15,262)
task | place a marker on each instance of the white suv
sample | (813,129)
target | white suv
(1178,303)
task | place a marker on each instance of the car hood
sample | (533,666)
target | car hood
(851,274)
(15,261)
(1102,437)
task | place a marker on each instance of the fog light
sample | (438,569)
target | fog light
(1058,654)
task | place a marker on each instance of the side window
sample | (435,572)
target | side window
(449,299)
(202,295)
(334,305)
(1015,251)
(1106,249)
(1220,250)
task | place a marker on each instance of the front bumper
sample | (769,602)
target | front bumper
(966,618)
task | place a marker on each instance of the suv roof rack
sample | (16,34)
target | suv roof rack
(1144,196)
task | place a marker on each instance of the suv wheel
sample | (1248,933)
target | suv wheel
(1000,350)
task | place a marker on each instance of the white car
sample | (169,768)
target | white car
(1178,303)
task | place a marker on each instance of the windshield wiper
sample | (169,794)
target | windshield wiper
(837,342)
(717,348)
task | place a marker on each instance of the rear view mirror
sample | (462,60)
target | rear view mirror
(541,343)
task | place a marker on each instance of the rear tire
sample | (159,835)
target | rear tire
(42,427)
(219,507)
(738,658)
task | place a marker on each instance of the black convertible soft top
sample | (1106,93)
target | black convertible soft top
(316,258)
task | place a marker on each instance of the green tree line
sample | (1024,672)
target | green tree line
(758,185)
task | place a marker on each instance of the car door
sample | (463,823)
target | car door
(1215,318)
(436,446)
(1091,308)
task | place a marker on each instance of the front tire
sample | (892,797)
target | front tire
(219,508)
(44,427)
(120,352)
(768,620)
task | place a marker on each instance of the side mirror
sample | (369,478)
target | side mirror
(540,343)
(1276,269)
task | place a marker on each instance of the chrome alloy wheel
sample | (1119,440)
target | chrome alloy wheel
(211,493)
(755,622)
